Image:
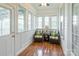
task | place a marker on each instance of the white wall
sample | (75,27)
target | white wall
(66,41)
(24,40)
(62,33)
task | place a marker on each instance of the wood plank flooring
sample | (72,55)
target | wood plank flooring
(42,49)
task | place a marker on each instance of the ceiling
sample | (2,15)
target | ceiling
(43,10)
(51,6)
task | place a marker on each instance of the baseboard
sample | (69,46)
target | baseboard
(65,54)
(24,48)
(72,54)
(63,50)
(69,52)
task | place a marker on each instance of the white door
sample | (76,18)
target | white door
(6,30)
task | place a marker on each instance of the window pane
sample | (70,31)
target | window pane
(0,27)
(47,22)
(54,23)
(75,29)
(61,24)
(39,22)
(20,20)
(29,21)
(34,23)
(4,21)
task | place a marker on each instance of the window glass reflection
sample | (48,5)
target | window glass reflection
(39,22)
(4,21)
(29,21)
(20,20)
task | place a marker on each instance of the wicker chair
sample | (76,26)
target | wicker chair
(38,36)
(54,37)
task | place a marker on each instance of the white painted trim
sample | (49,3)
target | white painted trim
(21,50)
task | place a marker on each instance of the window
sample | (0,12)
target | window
(54,22)
(75,20)
(61,24)
(75,29)
(39,22)
(29,21)
(0,27)
(21,14)
(46,20)
(4,21)
(34,22)
(75,24)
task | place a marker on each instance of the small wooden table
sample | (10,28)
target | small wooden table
(46,37)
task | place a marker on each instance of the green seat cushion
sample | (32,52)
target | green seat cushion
(38,33)
(38,36)
(52,37)
(54,34)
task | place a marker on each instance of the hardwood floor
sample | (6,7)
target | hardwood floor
(42,49)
